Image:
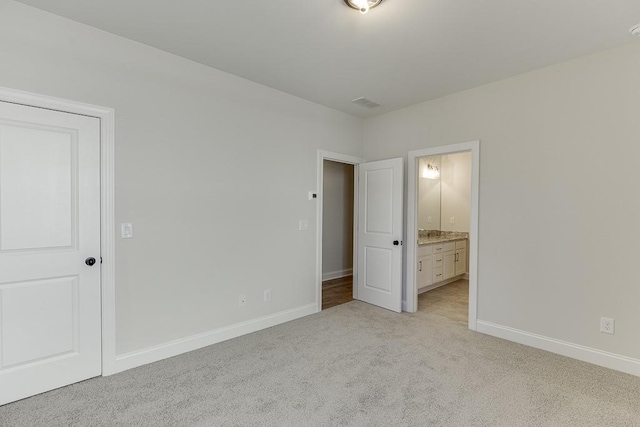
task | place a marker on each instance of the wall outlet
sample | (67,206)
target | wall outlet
(608,326)
(429,220)
(452,220)
(242,300)
(304,225)
(267,295)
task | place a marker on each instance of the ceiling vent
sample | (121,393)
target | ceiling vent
(364,102)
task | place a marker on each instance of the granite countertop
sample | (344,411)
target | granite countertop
(440,237)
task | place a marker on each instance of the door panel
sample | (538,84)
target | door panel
(378,264)
(50,325)
(379,225)
(39,194)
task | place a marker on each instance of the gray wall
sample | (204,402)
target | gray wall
(558,159)
(337,220)
(212,170)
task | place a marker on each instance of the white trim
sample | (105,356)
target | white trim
(411,303)
(564,348)
(194,342)
(107,206)
(337,274)
(340,158)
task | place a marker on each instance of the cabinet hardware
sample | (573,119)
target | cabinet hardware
(420,265)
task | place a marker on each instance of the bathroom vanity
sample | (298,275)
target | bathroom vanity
(441,260)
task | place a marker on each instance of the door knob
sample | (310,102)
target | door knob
(396,243)
(90,261)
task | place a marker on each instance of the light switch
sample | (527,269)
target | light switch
(429,220)
(452,220)
(126,230)
(304,225)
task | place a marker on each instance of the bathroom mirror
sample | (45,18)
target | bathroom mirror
(429,193)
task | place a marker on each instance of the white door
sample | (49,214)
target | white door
(380,233)
(50,326)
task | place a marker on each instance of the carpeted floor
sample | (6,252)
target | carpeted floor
(353,364)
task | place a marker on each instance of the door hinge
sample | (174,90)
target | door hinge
(100,260)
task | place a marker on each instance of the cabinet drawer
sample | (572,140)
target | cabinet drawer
(437,274)
(438,247)
(437,260)
(425,250)
(449,246)
(461,244)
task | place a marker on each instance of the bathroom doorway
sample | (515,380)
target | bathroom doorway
(444,207)
(442,226)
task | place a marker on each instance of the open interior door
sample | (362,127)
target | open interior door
(380,233)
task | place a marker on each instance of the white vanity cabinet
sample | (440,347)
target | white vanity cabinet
(449,263)
(425,265)
(439,262)
(461,257)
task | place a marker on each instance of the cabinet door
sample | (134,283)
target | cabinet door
(425,271)
(461,261)
(449,265)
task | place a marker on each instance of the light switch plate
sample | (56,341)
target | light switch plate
(304,225)
(126,230)
(452,220)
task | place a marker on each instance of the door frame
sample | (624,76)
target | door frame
(350,160)
(107,206)
(412,223)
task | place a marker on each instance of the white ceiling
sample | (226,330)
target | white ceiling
(401,53)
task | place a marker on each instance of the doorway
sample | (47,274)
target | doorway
(337,233)
(444,206)
(377,230)
(443,247)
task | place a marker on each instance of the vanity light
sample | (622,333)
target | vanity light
(431,172)
(362,5)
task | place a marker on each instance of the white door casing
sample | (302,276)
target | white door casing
(380,191)
(50,313)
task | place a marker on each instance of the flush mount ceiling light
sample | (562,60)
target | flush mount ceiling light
(635,30)
(362,5)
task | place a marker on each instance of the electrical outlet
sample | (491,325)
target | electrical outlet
(267,295)
(429,220)
(242,300)
(452,220)
(608,326)
(304,225)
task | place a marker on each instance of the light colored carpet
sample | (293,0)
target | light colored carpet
(353,364)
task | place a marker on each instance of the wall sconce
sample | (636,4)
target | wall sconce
(431,172)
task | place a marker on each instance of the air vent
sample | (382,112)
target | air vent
(364,102)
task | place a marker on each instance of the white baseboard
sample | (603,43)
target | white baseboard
(194,342)
(564,348)
(337,274)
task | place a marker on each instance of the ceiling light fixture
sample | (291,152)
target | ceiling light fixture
(635,30)
(362,5)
